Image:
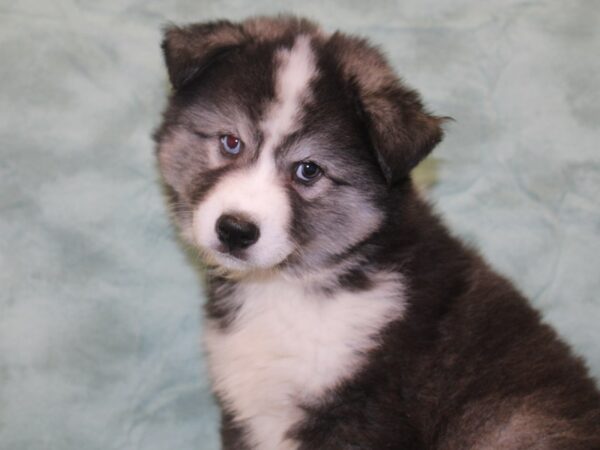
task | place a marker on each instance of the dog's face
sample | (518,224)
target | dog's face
(280,143)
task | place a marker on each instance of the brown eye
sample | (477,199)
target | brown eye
(307,172)
(231,144)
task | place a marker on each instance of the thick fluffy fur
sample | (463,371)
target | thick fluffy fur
(356,321)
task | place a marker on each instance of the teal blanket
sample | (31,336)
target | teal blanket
(99,306)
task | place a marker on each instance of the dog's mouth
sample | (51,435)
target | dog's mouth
(222,257)
(225,264)
(237,263)
(229,253)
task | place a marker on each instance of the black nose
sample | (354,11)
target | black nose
(236,233)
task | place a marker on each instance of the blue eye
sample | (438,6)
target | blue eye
(307,172)
(231,144)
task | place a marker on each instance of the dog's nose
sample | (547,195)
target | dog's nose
(235,232)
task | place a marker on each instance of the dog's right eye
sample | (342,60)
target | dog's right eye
(231,144)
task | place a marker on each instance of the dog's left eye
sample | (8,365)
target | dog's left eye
(231,144)
(307,172)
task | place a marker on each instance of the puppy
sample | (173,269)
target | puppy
(341,313)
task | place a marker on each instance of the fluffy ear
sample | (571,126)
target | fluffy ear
(189,50)
(402,132)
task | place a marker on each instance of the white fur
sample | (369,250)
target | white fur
(297,68)
(257,191)
(256,194)
(288,346)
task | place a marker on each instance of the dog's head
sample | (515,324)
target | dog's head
(280,142)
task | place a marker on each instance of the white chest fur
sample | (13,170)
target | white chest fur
(287,347)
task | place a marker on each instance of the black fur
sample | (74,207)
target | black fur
(469,352)
(220,289)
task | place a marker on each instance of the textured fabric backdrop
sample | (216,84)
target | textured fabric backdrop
(100,308)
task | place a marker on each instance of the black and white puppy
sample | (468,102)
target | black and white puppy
(341,313)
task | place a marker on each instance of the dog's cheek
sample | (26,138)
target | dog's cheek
(353,219)
(329,224)
(180,158)
(180,209)
(302,215)
(184,169)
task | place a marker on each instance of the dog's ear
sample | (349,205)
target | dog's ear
(191,49)
(402,132)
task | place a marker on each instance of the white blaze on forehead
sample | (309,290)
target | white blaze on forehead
(296,71)
(257,191)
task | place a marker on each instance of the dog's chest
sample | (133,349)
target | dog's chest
(287,347)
